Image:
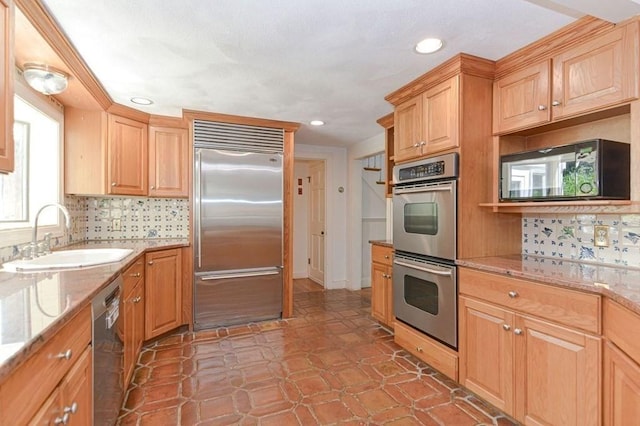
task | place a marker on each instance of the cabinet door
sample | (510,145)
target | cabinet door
(50,412)
(486,352)
(77,391)
(440,108)
(379,292)
(595,74)
(6,86)
(389,314)
(522,99)
(127,141)
(128,317)
(163,292)
(138,319)
(558,371)
(168,162)
(408,129)
(621,387)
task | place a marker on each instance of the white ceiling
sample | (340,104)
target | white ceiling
(296,60)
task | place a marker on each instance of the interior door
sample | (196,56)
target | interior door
(317,222)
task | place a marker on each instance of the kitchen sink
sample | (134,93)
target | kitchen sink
(68,259)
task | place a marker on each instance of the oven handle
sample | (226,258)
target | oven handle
(424,269)
(448,188)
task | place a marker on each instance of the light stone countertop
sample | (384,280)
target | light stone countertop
(34,306)
(619,283)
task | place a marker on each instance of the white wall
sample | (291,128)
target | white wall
(300,221)
(374,210)
(357,151)
(336,258)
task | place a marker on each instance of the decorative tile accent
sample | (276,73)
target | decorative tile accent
(571,237)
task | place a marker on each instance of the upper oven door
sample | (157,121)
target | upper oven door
(424,219)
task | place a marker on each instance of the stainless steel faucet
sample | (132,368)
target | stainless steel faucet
(34,237)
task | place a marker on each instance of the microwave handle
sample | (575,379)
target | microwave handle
(422,268)
(447,188)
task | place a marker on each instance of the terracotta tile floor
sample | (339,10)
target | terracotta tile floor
(331,364)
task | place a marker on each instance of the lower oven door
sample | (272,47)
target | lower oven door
(425,296)
(424,219)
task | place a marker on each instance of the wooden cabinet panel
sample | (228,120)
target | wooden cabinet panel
(559,371)
(441,117)
(132,312)
(163,292)
(597,73)
(622,327)
(408,129)
(486,351)
(522,99)
(569,307)
(6,86)
(621,387)
(76,391)
(168,162)
(381,254)
(382,284)
(127,157)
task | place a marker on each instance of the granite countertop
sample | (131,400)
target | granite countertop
(33,306)
(385,243)
(619,283)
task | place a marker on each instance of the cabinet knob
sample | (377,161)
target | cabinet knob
(136,275)
(150,262)
(153,187)
(386,256)
(555,103)
(64,355)
(542,107)
(517,331)
(62,420)
(506,327)
(136,299)
(416,145)
(73,408)
(419,349)
(513,294)
(113,184)
(423,143)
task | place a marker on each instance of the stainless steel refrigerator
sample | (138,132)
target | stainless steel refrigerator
(238,234)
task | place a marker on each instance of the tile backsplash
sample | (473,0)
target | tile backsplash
(572,237)
(92,218)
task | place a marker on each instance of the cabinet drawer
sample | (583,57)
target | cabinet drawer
(441,358)
(132,276)
(382,254)
(622,327)
(27,388)
(568,307)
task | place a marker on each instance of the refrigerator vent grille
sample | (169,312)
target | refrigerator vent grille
(237,137)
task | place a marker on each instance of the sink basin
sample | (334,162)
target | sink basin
(68,259)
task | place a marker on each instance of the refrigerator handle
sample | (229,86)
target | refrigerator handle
(198,204)
(238,275)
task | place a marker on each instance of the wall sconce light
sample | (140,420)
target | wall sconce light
(45,79)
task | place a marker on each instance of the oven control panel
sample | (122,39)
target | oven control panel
(441,167)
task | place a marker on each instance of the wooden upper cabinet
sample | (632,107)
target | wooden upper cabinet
(6,86)
(522,99)
(127,171)
(408,129)
(441,118)
(168,162)
(596,74)
(429,122)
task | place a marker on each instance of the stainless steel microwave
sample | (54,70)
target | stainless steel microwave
(592,169)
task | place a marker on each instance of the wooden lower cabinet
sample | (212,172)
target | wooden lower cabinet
(132,313)
(536,371)
(621,387)
(163,292)
(382,284)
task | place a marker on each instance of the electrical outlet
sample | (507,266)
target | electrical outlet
(116,225)
(601,236)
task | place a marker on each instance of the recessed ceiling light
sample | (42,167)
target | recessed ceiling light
(429,45)
(141,101)
(316,123)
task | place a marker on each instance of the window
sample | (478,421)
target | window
(37,178)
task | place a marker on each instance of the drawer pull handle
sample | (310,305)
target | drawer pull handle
(556,103)
(542,107)
(386,256)
(72,409)
(64,355)
(419,349)
(513,294)
(62,420)
(150,262)
(517,331)
(137,299)
(506,327)
(136,275)
(113,184)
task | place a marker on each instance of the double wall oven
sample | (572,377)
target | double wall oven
(424,238)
